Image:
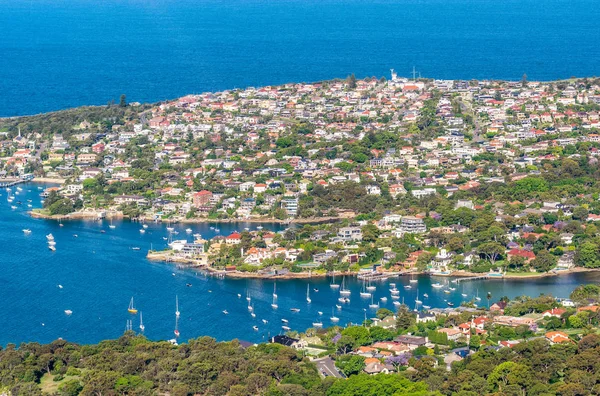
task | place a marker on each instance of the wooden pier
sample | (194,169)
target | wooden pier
(471,278)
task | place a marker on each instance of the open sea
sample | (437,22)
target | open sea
(100,273)
(56,54)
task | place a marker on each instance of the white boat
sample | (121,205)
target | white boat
(373,305)
(446,291)
(417,301)
(463,294)
(392,285)
(394,292)
(13,207)
(425,295)
(60,286)
(320,313)
(177,313)
(286,328)
(452,288)
(217,230)
(370,287)
(317,324)
(334,319)
(364,293)
(248,296)
(51,243)
(135,248)
(170,229)
(338,306)
(437,285)
(265,321)
(255,328)
(308,300)
(52,248)
(27,231)
(259,228)
(246,229)
(383,299)
(253,314)
(144,226)
(275,290)
(344,291)
(250,308)
(225,312)
(395,297)
(397,303)
(239,295)
(68,312)
(142,327)
(197,236)
(477,296)
(112,226)
(408,287)
(188,231)
(295,309)
(344,299)
(274,304)
(334,285)
(142,231)
(426,307)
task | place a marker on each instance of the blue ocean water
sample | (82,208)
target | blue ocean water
(56,54)
(99,273)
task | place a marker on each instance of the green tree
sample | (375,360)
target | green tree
(544,261)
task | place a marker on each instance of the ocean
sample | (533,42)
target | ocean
(95,275)
(56,54)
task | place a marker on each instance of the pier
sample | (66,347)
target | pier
(471,278)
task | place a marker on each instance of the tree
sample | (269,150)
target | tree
(585,294)
(380,334)
(544,261)
(123,101)
(587,255)
(524,80)
(383,313)
(351,81)
(359,334)
(350,364)
(404,318)
(491,251)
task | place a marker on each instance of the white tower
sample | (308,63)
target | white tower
(394,75)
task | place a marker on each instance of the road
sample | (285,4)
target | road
(327,368)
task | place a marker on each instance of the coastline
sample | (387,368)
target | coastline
(55,180)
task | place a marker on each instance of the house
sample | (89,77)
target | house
(289,342)
(234,239)
(453,334)
(375,367)
(423,317)
(451,358)
(127,199)
(202,198)
(554,312)
(526,254)
(412,342)
(348,234)
(498,306)
(412,225)
(558,337)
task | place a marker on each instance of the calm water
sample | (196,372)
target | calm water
(58,54)
(100,273)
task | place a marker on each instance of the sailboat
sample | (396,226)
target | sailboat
(334,285)
(131,308)
(417,301)
(363,292)
(112,226)
(177,313)
(413,280)
(317,323)
(373,305)
(308,300)
(344,291)
(248,296)
(334,319)
(142,327)
(252,311)
(274,305)
(370,287)
(275,290)
(477,296)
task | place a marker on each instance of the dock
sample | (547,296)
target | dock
(471,278)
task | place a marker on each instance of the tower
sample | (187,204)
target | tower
(394,75)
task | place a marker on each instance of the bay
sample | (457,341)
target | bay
(60,54)
(99,273)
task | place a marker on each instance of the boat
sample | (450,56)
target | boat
(344,299)
(286,328)
(333,318)
(450,304)
(295,309)
(463,294)
(417,301)
(425,295)
(392,285)
(248,296)
(395,297)
(447,291)
(373,305)
(225,312)
(315,290)
(75,236)
(197,236)
(255,328)
(188,284)
(317,324)
(112,226)
(177,313)
(394,292)
(250,308)
(452,288)
(284,321)
(343,290)
(274,304)
(60,286)
(142,231)
(426,307)
(320,313)
(408,287)
(176,333)
(239,295)
(51,243)
(51,247)
(135,248)
(363,292)
(259,228)
(144,226)
(102,232)
(212,228)
(334,285)
(275,290)
(265,321)
(383,299)
(338,306)
(27,231)
(188,231)
(370,287)
(131,308)
(217,230)
(308,300)
(68,312)
(437,285)
(50,237)
(397,303)
(477,296)
(142,327)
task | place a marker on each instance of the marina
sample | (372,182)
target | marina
(98,274)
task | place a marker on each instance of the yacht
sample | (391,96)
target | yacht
(68,312)
(142,231)
(188,231)
(142,327)
(334,285)
(383,299)
(425,295)
(344,291)
(225,312)
(344,299)
(334,319)
(308,300)
(437,285)
(373,305)
(131,308)
(265,321)
(284,321)
(286,328)
(27,231)
(295,309)
(177,313)
(255,328)
(317,324)
(50,237)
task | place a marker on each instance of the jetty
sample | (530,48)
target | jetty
(471,278)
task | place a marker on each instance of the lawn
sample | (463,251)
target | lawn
(49,386)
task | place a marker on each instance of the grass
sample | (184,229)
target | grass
(49,386)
